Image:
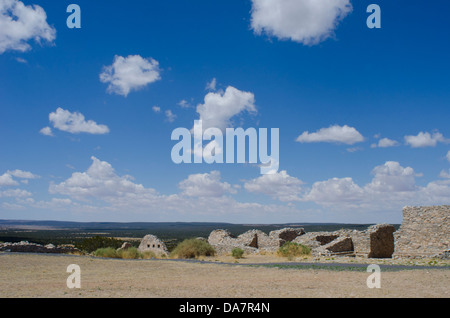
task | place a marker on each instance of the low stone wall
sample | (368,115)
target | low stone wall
(424,232)
(252,241)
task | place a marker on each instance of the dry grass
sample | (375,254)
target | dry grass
(38,275)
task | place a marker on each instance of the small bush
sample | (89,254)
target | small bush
(148,255)
(193,248)
(237,252)
(106,252)
(291,249)
(129,253)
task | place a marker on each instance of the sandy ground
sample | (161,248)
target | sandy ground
(38,275)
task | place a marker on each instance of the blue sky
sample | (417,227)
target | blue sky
(363,113)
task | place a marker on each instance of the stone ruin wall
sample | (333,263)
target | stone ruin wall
(375,242)
(424,232)
(252,241)
(151,243)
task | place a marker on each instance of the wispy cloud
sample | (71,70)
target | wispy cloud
(170,116)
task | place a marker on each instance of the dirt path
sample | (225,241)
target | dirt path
(39,275)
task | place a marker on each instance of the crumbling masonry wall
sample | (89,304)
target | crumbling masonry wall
(424,232)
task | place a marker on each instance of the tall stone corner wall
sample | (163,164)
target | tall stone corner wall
(424,232)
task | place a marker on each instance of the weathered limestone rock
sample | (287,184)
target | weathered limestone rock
(250,238)
(220,237)
(339,245)
(316,239)
(286,235)
(150,243)
(223,241)
(424,232)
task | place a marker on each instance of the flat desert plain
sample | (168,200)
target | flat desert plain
(45,275)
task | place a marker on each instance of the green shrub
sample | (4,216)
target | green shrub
(106,252)
(148,255)
(193,248)
(94,243)
(291,249)
(237,252)
(129,253)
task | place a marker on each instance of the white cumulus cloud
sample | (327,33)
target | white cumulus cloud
(20,23)
(22,174)
(219,108)
(74,123)
(333,134)
(385,143)
(205,185)
(392,177)
(279,185)
(335,191)
(46,131)
(305,21)
(130,73)
(424,139)
(392,187)
(100,181)
(6,180)
(14,193)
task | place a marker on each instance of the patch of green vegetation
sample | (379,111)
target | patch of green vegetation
(148,255)
(129,253)
(106,252)
(193,248)
(237,252)
(291,250)
(92,244)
